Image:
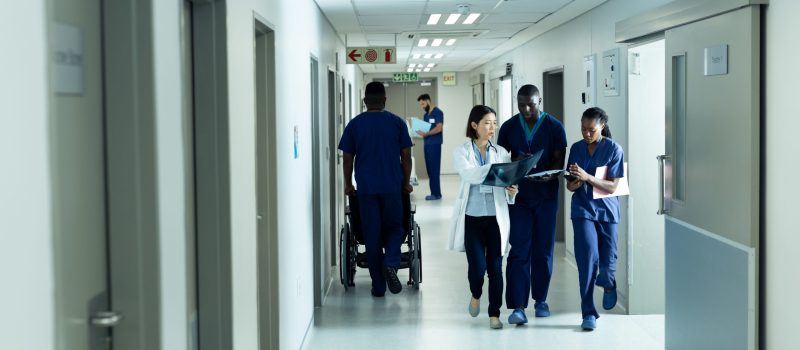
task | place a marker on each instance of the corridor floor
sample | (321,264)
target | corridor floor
(435,316)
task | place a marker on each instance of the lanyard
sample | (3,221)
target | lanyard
(529,134)
(478,152)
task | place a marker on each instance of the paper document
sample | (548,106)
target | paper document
(419,125)
(507,174)
(622,187)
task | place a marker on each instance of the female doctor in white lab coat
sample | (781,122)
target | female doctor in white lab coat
(480,223)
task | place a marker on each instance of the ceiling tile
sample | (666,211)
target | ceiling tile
(384,7)
(523,17)
(548,6)
(389,20)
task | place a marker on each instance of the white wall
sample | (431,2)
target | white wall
(171,174)
(455,102)
(566,45)
(26,254)
(300,30)
(782,236)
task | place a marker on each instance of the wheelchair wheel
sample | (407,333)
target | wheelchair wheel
(416,262)
(344,258)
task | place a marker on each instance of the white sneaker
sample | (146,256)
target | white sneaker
(494,323)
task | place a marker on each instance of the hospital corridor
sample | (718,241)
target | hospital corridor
(399,174)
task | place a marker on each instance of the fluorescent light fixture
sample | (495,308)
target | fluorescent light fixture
(419,65)
(422,42)
(453,18)
(418,70)
(426,70)
(471,18)
(438,56)
(436,42)
(410,70)
(427,56)
(434,19)
(451,42)
(430,65)
(412,65)
(417,56)
(425,83)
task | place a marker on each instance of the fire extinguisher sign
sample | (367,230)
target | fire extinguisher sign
(371,55)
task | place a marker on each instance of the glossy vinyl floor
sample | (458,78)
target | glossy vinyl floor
(435,317)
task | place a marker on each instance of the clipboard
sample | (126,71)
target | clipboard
(622,187)
(507,174)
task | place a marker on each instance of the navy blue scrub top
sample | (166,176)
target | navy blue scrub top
(608,153)
(375,139)
(550,137)
(438,117)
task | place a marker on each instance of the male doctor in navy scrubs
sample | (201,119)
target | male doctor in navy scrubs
(433,144)
(377,142)
(533,216)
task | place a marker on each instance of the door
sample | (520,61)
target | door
(477,94)
(316,185)
(333,159)
(553,103)
(645,131)
(78,178)
(412,109)
(711,177)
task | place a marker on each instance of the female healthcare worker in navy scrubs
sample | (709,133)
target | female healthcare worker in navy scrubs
(595,220)
(533,216)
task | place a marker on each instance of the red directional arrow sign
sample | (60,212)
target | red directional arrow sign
(354,56)
(371,55)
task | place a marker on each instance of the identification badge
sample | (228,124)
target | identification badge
(432,121)
(486,189)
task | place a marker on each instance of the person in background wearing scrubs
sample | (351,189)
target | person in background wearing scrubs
(533,216)
(595,220)
(433,144)
(479,224)
(378,141)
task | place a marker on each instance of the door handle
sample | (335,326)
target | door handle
(106,319)
(662,209)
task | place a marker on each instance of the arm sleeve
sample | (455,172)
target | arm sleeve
(405,140)
(571,157)
(616,168)
(502,138)
(438,116)
(467,170)
(561,141)
(347,143)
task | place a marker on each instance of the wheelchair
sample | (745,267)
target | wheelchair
(351,237)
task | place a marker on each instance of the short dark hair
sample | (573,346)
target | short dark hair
(528,90)
(475,115)
(374,94)
(424,97)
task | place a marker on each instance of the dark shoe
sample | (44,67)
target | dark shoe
(432,198)
(610,297)
(390,274)
(518,317)
(542,310)
(589,323)
(375,294)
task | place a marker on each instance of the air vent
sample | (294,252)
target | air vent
(443,34)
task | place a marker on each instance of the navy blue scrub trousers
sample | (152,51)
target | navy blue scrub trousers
(596,256)
(530,260)
(382,227)
(482,244)
(433,164)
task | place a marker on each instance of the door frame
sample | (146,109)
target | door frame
(266,175)
(561,228)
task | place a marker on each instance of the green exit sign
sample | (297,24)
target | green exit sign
(404,77)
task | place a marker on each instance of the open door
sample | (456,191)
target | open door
(711,181)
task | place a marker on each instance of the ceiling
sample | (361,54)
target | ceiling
(502,26)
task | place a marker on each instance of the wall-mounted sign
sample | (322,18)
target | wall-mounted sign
(716,60)
(449,78)
(611,72)
(371,55)
(404,77)
(67,59)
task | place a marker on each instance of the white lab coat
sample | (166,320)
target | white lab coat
(472,173)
